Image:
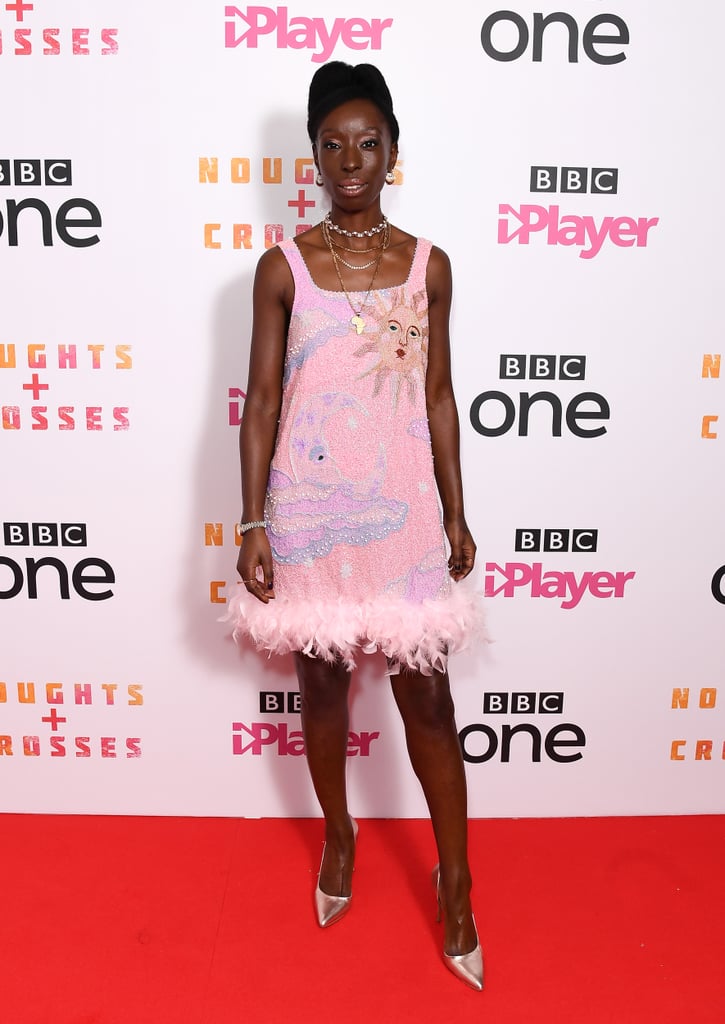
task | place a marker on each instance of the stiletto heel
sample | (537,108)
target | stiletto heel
(436,878)
(466,966)
(331,908)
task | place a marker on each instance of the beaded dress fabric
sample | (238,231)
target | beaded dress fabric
(352,508)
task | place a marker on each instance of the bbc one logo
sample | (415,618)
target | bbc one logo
(27,576)
(583,231)
(248,25)
(536,580)
(494,413)
(28,39)
(561,743)
(74,222)
(506,36)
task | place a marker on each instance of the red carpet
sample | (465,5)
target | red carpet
(210,921)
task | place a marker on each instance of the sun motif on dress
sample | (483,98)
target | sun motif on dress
(399,340)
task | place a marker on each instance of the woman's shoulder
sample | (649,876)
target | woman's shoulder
(439,267)
(434,253)
(273,272)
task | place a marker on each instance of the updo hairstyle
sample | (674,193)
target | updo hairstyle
(336,83)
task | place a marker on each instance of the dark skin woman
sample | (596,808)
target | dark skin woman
(354,154)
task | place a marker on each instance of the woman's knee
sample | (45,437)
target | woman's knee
(425,701)
(323,686)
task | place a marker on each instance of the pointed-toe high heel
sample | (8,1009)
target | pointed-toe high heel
(466,966)
(331,908)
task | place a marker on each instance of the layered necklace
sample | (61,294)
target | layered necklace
(328,225)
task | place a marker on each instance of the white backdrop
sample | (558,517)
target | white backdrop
(123,367)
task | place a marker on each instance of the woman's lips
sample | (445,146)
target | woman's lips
(351,188)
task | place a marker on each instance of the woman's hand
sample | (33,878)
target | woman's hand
(463,549)
(255,554)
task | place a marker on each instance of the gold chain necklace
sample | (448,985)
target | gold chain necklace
(351,266)
(345,248)
(356,319)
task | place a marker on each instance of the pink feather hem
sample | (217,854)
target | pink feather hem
(413,636)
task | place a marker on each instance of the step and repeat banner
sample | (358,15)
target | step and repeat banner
(569,162)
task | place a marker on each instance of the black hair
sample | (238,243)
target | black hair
(336,83)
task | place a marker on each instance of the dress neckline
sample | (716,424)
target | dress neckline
(359,291)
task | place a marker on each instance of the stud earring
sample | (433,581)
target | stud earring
(318,179)
(390,178)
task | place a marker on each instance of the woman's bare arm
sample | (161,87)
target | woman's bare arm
(443,416)
(272,301)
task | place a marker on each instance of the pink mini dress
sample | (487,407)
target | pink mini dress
(352,510)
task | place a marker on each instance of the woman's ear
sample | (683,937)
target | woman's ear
(393,156)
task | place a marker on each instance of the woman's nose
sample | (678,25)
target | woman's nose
(350,158)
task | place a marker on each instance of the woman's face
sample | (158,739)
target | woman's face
(353,153)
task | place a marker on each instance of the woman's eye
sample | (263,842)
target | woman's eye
(331,145)
(370,143)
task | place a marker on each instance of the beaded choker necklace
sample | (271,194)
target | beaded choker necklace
(355,234)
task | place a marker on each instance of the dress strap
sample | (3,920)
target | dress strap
(293,256)
(420,265)
(304,285)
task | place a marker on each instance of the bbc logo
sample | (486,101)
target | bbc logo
(597,180)
(514,366)
(35,172)
(277,702)
(556,540)
(523,703)
(48,535)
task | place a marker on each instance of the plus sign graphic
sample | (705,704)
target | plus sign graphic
(53,718)
(35,386)
(301,202)
(19,7)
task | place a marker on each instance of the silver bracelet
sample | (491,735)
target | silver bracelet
(243,527)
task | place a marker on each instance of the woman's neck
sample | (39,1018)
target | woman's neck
(357,220)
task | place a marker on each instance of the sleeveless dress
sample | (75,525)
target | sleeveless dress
(352,508)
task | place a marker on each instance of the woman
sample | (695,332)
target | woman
(349,424)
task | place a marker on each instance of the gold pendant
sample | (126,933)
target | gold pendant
(358,323)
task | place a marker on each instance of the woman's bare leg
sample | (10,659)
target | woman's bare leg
(426,707)
(324,690)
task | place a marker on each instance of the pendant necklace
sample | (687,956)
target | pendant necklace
(356,319)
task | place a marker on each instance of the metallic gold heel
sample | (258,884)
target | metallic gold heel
(468,967)
(331,908)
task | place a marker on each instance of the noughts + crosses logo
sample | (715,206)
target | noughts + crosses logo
(45,712)
(34,369)
(250,24)
(27,38)
(585,232)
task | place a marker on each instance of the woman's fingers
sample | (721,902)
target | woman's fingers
(463,555)
(255,567)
